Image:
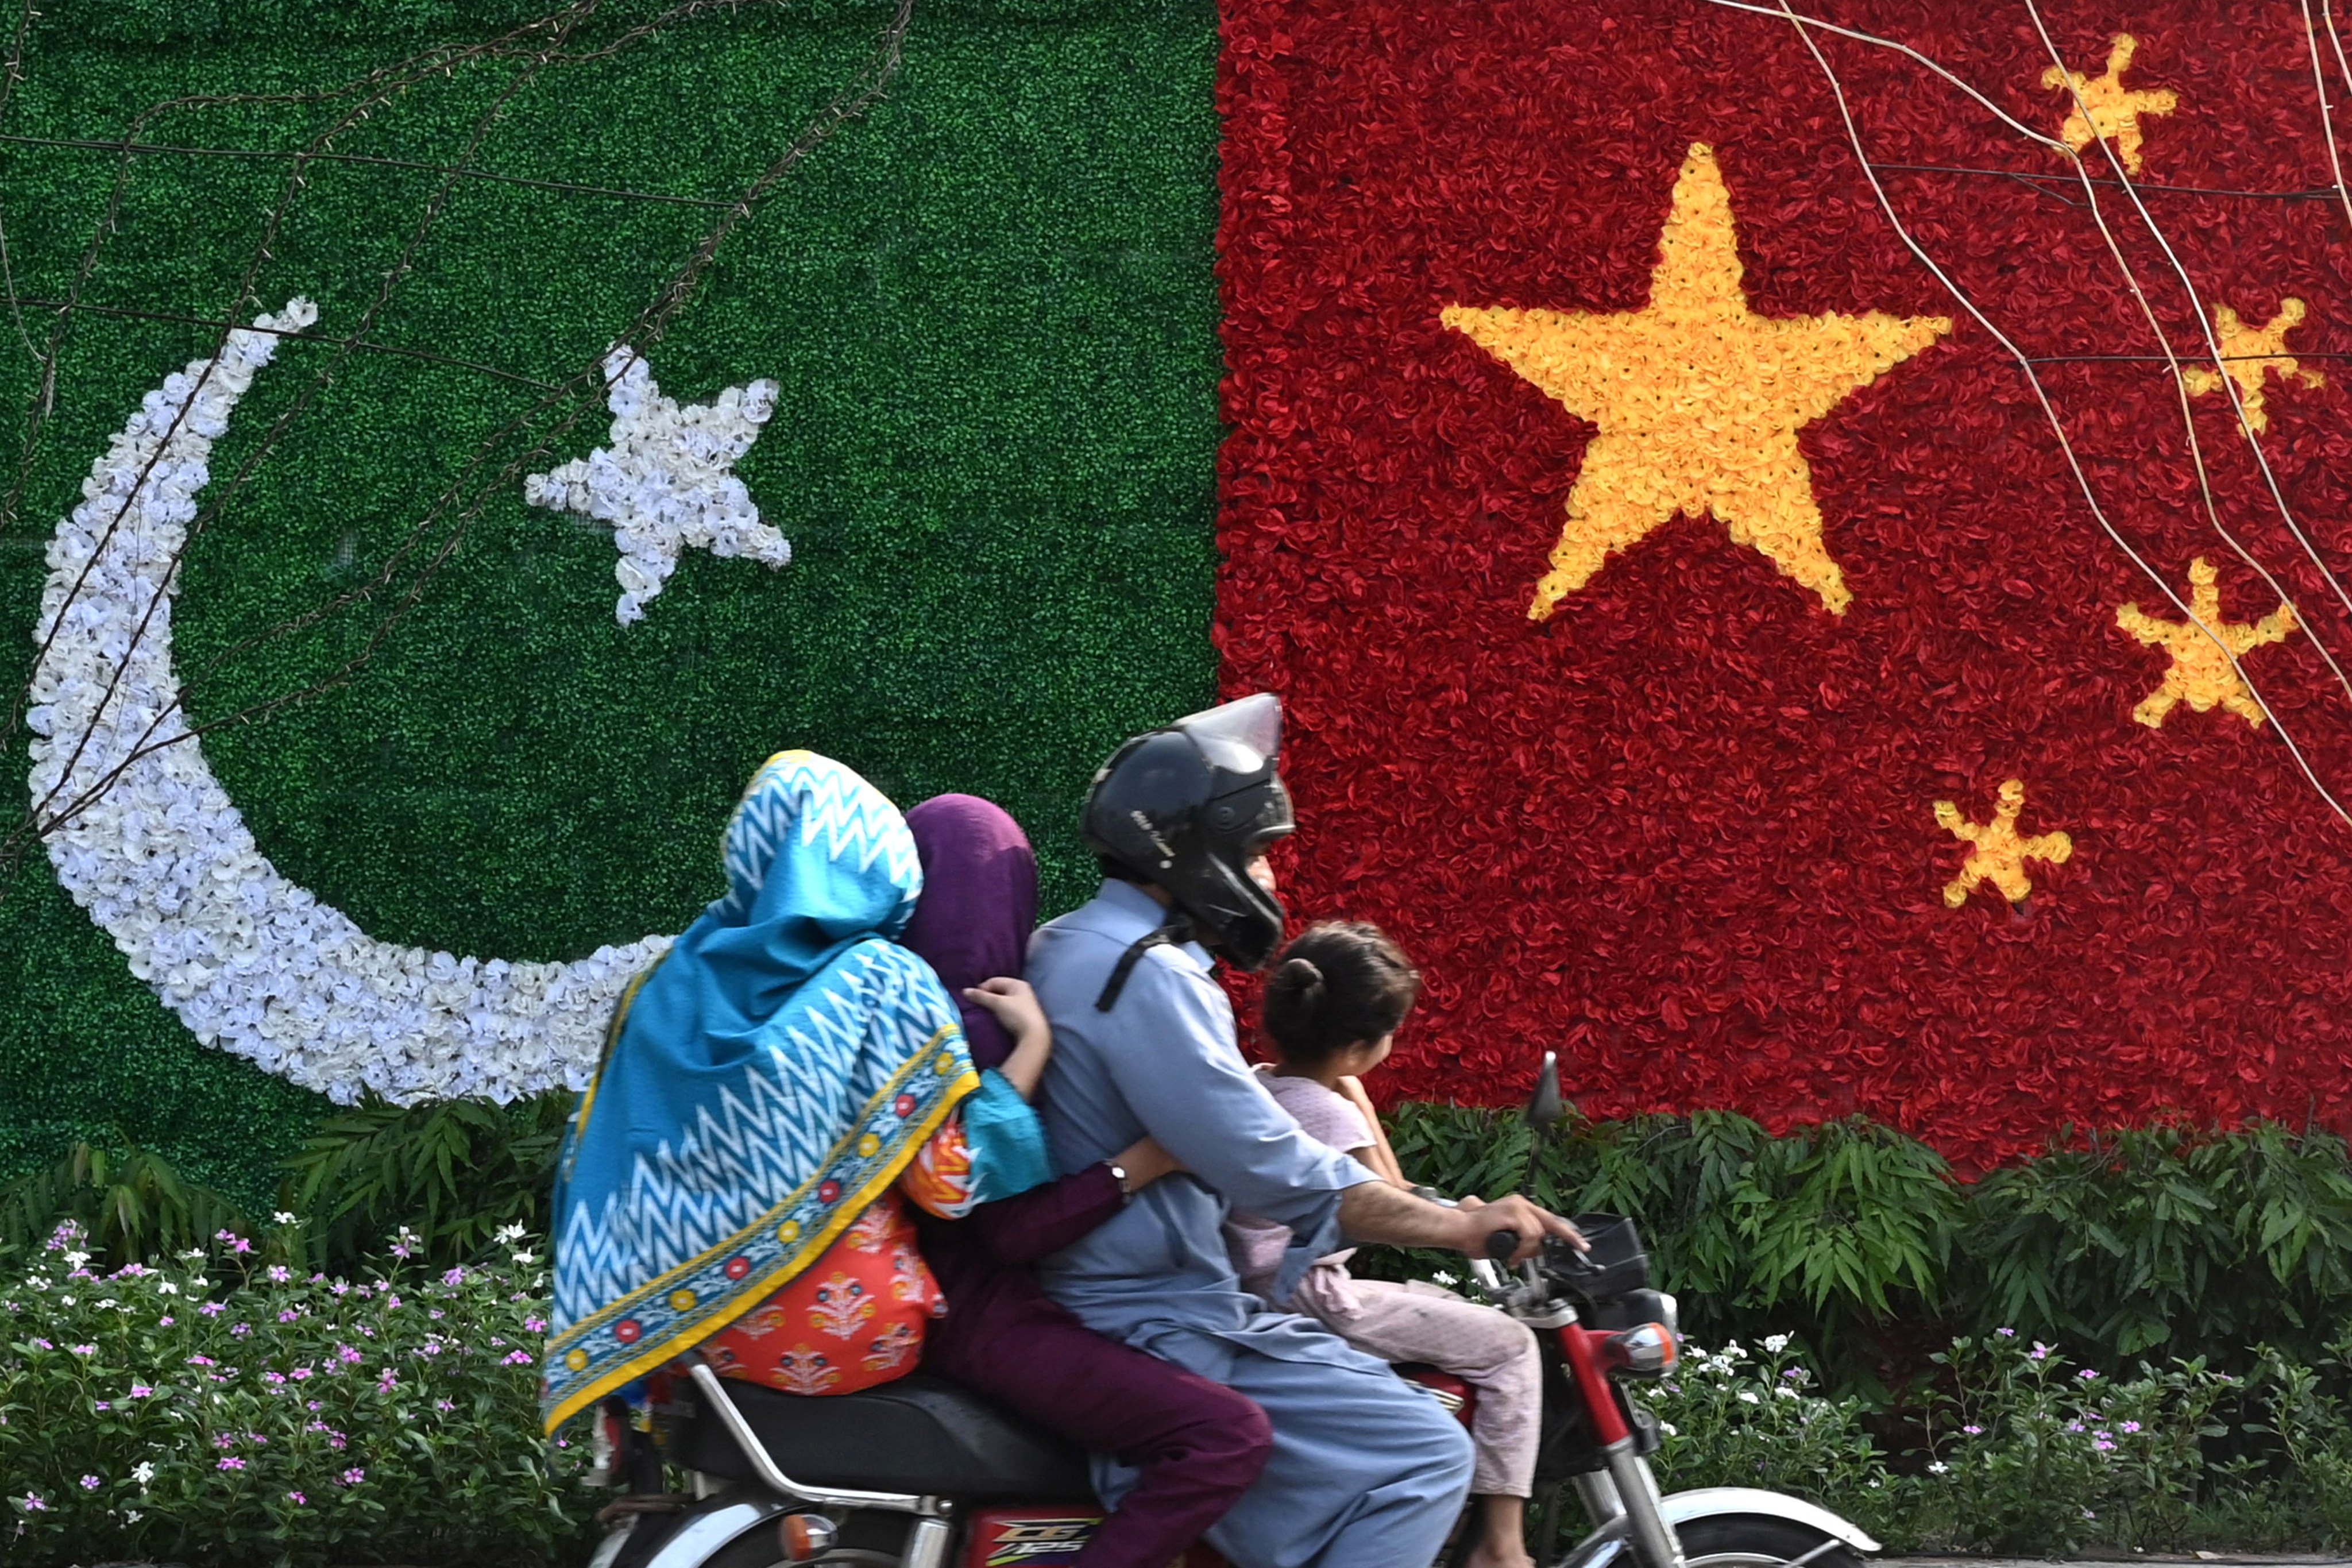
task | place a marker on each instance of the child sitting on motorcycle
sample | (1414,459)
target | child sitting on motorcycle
(1334,999)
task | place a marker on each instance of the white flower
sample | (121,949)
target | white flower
(1749,1396)
(1670,1429)
(142,1472)
(1775,1343)
(1939,1468)
(76,1259)
(165,1287)
(152,846)
(282,1217)
(1782,1391)
(506,1234)
(665,482)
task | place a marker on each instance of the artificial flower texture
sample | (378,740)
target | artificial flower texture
(1998,852)
(2247,353)
(2113,110)
(667,481)
(146,839)
(1698,398)
(2202,648)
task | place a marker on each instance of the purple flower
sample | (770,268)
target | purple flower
(346,1353)
(212,1309)
(279,1274)
(273,1377)
(301,1373)
(353,1476)
(2074,1426)
(85,1350)
(166,1319)
(442,1404)
(297,1499)
(2039,1352)
(1973,1430)
(387,1382)
(2006,1334)
(140,1391)
(232,1462)
(2086,1375)
(455,1277)
(2104,1447)
(31,1502)
(536,1325)
(202,1360)
(515,1358)
(239,1331)
(41,1344)
(2131,1426)
(90,1483)
(223,1440)
(435,1314)
(289,1315)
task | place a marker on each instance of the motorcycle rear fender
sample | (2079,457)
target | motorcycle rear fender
(711,1525)
(1710,1502)
(1607,1546)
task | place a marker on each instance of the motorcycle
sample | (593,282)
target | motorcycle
(920,1474)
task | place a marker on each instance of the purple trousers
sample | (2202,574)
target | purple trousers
(1199,1444)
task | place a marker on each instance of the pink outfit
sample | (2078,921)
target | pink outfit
(1415,1321)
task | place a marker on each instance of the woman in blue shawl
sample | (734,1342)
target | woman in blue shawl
(772,1079)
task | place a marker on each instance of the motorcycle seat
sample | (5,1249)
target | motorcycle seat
(920,1433)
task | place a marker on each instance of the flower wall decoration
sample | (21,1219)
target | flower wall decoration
(1679,829)
(145,838)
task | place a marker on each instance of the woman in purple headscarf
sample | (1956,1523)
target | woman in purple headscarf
(1200,1445)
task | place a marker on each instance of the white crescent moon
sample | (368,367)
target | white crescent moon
(163,862)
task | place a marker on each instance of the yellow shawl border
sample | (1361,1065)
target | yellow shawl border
(692,1331)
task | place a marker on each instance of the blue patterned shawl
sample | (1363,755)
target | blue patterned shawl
(761,1085)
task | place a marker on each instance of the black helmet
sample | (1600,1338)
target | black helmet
(1187,808)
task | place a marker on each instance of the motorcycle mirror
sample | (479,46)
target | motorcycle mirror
(1544,1108)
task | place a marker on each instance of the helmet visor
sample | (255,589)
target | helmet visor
(1238,737)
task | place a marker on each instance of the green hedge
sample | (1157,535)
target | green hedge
(991,306)
(2152,1244)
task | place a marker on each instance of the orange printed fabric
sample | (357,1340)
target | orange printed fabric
(856,1317)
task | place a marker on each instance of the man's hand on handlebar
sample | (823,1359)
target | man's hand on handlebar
(1511,1229)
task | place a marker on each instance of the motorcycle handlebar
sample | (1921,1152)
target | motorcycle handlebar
(1502,1246)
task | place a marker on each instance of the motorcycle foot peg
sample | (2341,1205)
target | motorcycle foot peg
(806,1536)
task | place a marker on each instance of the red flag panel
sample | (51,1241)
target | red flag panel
(1700,650)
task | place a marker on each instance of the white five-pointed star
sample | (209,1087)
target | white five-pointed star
(665,481)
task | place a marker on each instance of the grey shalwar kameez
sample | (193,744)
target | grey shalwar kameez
(1368,1472)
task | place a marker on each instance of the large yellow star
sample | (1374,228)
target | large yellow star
(1698,398)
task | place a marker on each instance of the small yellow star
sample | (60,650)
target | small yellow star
(2114,110)
(2201,675)
(2247,351)
(1698,398)
(1999,854)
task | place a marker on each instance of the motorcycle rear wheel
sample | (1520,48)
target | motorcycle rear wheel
(1759,1540)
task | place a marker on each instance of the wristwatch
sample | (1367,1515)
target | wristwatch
(1118,1174)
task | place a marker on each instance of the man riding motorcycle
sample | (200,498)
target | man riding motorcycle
(1366,1471)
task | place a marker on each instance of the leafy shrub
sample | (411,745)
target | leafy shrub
(127,1200)
(231,1408)
(451,1173)
(1733,1419)
(1863,1243)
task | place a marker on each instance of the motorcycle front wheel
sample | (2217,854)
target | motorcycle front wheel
(1760,1541)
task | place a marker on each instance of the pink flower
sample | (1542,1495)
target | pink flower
(455,1277)
(90,1483)
(202,1360)
(166,1320)
(140,1391)
(515,1358)
(239,1331)
(212,1309)
(2086,1375)
(387,1382)
(232,1463)
(297,1499)
(346,1353)
(301,1373)
(289,1315)
(85,1350)
(31,1502)
(536,1325)
(353,1476)
(279,1274)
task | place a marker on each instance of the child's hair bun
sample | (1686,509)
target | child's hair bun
(1337,984)
(1300,977)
